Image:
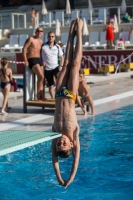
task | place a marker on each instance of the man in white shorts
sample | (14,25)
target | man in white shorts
(50,54)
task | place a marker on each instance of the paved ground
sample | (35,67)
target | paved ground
(39,119)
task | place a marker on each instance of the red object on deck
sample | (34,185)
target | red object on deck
(14,84)
(20,67)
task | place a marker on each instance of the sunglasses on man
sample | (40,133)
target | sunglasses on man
(51,36)
(39,31)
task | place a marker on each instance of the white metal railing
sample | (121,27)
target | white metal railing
(5,21)
(93,16)
(1,22)
(12,19)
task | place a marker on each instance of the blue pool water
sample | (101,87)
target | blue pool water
(20,83)
(105,170)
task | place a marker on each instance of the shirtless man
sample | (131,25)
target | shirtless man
(31,53)
(65,120)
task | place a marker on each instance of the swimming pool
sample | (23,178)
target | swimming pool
(105,170)
(20,83)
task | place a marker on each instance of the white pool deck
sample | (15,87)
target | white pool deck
(91,78)
(109,92)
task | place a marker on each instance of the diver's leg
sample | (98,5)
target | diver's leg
(64,74)
(73,82)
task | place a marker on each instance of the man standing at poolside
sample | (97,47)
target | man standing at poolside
(51,52)
(65,120)
(31,53)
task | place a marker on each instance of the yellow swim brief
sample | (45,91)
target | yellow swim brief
(64,92)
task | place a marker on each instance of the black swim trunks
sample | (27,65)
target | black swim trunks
(49,75)
(34,61)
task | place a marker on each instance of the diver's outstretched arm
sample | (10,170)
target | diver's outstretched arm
(76,157)
(55,160)
(56,163)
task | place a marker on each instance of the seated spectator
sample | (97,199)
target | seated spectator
(126,18)
(84,95)
(122,39)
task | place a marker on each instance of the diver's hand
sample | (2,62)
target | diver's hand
(61,182)
(66,183)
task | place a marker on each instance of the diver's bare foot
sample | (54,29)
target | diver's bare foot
(79,23)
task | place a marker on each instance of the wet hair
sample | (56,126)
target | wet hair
(81,71)
(3,63)
(64,154)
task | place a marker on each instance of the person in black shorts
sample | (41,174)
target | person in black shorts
(51,75)
(34,61)
(51,53)
(31,53)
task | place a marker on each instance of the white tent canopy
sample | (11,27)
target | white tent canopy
(44,9)
(90,7)
(123,6)
(68,8)
(85,29)
(116,28)
(57,29)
